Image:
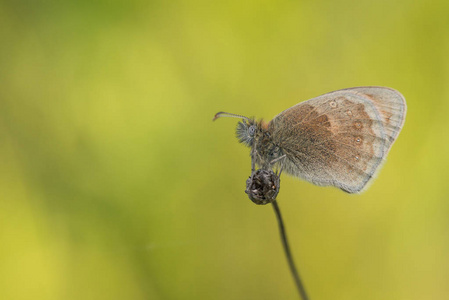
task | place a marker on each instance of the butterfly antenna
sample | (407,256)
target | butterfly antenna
(225,114)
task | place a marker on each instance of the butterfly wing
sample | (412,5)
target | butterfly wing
(391,107)
(340,138)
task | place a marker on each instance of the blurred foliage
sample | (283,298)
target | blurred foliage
(115,184)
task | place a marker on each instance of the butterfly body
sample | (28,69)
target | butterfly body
(338,139)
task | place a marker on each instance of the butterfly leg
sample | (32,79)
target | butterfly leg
(253,160)
(278,173)
(255,154)
(277,159)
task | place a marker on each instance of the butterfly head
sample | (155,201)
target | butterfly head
(247,130)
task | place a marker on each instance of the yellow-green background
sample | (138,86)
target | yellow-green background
(115,183)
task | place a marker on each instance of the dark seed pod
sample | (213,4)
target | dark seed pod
(263,186)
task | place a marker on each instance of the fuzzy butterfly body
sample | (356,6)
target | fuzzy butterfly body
(338,139)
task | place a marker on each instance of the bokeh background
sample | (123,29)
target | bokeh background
(116,184)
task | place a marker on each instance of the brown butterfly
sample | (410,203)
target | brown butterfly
(338,139)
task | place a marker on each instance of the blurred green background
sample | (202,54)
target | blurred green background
(115,183)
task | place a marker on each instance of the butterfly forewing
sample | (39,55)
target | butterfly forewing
(339,138)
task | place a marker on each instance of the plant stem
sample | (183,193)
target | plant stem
(291,263)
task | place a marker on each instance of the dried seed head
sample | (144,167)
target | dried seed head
(263,186)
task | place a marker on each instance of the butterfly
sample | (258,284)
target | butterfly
(337,139)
